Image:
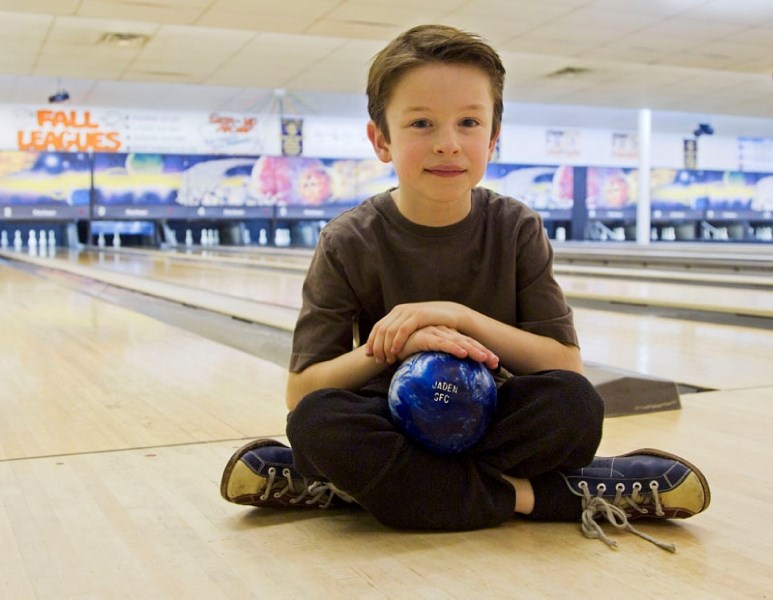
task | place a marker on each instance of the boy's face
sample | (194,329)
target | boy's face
(440,119)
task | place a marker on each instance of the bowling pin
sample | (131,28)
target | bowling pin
(32,241)
(4,239)
(42,242)
(247,237)
(116,240)
(216,237)
(17,244)
(262,237)
(51,238)
(101,240)
(188,238)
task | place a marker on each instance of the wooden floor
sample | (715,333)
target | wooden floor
(115,428)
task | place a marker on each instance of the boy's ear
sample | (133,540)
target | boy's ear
(380,145)
(493,143)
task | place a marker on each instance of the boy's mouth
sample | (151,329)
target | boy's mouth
(446,171)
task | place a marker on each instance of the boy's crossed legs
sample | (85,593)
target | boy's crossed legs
(537,459)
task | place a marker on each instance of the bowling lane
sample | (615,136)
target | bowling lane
(245,278)
(82,375)
(704,355)
(712,298)
(261,295)
(288,260)
(696,353)
(713,292)
(279,286)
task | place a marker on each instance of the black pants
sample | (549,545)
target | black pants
(544,422)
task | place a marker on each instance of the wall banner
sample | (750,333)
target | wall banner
(57,128)
(292,137)
(690,150)
(562,143)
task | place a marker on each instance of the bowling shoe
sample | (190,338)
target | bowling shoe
(642,484)
(261,473)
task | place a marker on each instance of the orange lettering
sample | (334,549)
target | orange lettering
(22,142)
(66,119)
(68,141)
(52,141)
(115,142)
(87,120)
(44,116)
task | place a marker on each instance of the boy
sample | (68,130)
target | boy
(438,264)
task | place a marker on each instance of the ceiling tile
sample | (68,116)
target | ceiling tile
(12,64)
(385,14)
(747,12)
(762,36)
(341,29)
(48,7)
(87,32)
(156,11)
(430,5)
(65,68)
(693,29)
(255,21)
(24,27)
(568,48)
(261,77)
(358,51)
(660,8)
(289,8)
(619,22)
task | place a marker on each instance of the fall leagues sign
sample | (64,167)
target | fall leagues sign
(78,129)
(68,131)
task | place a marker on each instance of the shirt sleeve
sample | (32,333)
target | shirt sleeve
(324,329)
(541,305)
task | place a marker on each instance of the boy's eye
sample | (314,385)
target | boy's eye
(420,123)
(470,122)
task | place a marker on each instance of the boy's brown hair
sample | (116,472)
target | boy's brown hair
(428,44)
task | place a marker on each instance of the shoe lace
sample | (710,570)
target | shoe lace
(597,506)
(321,493)
(273,482)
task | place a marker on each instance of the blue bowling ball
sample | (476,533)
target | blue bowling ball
(442,402)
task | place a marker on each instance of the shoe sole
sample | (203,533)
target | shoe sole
(236,457)
(689,465)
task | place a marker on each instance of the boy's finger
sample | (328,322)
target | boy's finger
(377,345)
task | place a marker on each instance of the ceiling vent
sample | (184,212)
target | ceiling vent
(123,39)
(569,72)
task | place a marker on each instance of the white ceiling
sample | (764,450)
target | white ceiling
(710,57)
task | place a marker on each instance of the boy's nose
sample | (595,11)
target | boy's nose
(447,142)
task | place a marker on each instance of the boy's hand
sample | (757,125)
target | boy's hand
(444,339)
(388,336)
